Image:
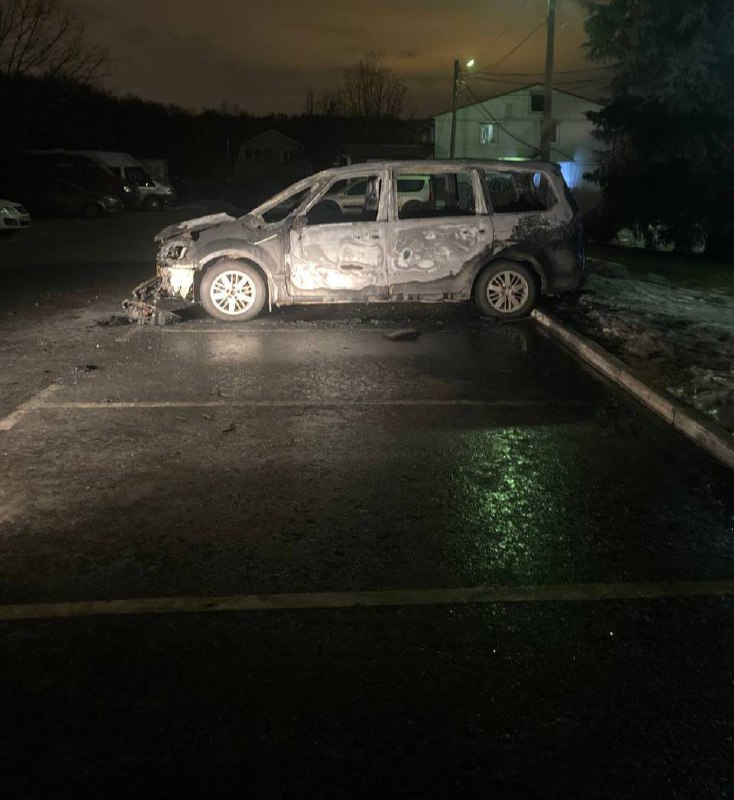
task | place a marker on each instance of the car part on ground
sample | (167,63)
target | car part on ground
(504,233)
(144,309)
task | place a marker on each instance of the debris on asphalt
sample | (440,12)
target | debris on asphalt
(113,320)
(402,335)
(231,427)
(207,416)
(148,314)
(86,368)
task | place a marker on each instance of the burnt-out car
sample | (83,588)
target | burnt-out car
(501,232)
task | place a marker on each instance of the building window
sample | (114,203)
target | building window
(488,133)
(537,103)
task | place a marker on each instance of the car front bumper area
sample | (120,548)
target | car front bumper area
(151,298)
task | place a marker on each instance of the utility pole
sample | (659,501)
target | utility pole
(453,109)
(547,126)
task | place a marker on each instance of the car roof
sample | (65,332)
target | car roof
(438,165)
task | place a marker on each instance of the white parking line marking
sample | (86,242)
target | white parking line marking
(319,403)
(37,401)
(559,593)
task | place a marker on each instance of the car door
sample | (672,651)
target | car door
(435,243)
(335,256)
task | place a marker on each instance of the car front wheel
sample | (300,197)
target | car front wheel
(232,291)
(506,290)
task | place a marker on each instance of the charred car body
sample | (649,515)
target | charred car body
(502,232)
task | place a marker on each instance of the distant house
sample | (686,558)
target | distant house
(508,126)
(272,155)
(359,152)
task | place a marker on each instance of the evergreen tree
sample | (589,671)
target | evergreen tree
(669,123)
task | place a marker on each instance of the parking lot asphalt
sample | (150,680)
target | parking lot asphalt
(306,453)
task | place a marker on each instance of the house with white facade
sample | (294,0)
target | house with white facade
(508,126)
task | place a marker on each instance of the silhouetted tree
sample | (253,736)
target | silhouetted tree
(367,89)
(43,37)
(669,124)
(370,89)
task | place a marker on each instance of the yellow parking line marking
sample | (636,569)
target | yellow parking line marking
(307,403)
(132,330)
(37,401)
(251,331)
(558,593)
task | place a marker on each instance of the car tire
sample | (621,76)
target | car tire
(152,203)
(411,210)
(92,210)
(506,290)
(233,291)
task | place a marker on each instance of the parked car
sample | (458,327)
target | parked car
(13,216)
(349,195)
(453,244)
(75,166)
(57,197)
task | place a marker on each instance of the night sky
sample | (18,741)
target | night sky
(261,56)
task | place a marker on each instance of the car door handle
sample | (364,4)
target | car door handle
(375,236)
(351,266)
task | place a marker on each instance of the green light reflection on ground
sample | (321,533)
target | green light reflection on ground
(514,495)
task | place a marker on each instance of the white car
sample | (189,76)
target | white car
(13,216)
(350,195)
(467,240)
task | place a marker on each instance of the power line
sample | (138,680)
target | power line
(516,47)
(540,72)
(502,127)
(498,123)
(580,81)
(505,29)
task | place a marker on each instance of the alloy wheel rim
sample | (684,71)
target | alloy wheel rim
(233,292)
(507,291)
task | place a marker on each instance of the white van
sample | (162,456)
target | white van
(148,191)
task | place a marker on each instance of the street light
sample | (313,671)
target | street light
(457,72)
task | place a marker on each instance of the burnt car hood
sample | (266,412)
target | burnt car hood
(189,226)
(248,227)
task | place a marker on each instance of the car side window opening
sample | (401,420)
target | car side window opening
(447,194)
(358,202)
(357,189)
(285,207)
(516,192)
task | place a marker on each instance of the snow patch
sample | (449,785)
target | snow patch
(679,336)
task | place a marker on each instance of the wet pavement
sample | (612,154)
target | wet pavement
(305,452)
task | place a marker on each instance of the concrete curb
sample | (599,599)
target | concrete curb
(698,428)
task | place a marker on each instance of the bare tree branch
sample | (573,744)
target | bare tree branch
(42,37)
(365,89)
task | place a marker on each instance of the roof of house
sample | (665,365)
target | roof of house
(517,91)
(270,137)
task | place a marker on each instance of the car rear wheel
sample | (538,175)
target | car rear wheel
(506,290)
(152,203)
(232,291)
